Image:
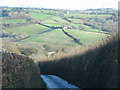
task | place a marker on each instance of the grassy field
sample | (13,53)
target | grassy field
(13,21)
(29,29)
(74,25)
(49,21)
(55,21)
(77,21)
(33,39)
(55,37)
(84,27)
(44,11)
(86,37)
(60,20)
(49,11)
(94,30)
(54,25)
(39,16)
(87,28)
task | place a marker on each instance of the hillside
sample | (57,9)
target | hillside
(69,43)
(95,68)
(54,30)
(20,72)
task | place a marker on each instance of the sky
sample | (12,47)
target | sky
(62,4)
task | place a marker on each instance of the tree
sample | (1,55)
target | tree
(4,13)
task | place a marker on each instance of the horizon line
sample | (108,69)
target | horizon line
(54,8)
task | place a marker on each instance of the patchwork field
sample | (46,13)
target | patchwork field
(77,21)
(86,37)
(39,16)
(60,20)
(56,28)
(41,34)
(49,21)
(13,21)
(55,37)
(29,29)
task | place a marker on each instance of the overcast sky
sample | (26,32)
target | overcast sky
(62,4)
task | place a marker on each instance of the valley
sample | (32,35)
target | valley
(45,48)
(56,28)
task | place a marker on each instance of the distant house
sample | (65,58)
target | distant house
(64,27)
(68,12)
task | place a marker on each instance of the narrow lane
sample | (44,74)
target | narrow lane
(53,81)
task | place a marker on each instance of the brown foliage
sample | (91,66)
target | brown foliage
(9,46)
(20,72)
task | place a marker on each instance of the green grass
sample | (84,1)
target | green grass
(39,16)
(49,11)
(79,25)
(86,37)
(60,20)
(95,30)
(55,37)
(55,21)
(29,29)
(13,21)
(49,21)
(44,11)
(33,39)
(78,21)
(54,25)
(86,28)
(74,25)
